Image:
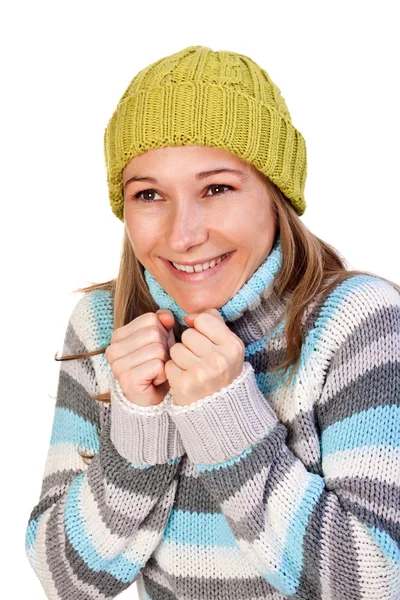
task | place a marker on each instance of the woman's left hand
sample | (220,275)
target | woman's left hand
(209,357)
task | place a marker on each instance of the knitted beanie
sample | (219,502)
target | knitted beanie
(201,97)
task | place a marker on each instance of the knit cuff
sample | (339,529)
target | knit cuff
(219,427)
(144,435)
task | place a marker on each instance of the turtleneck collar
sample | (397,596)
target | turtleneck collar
(252,312)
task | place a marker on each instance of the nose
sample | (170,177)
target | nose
(187,227)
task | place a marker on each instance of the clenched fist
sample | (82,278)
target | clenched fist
(137,354)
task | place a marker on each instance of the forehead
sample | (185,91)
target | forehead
(207,156)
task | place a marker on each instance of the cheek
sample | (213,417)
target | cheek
(143,233)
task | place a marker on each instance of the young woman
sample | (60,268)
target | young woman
(227,422)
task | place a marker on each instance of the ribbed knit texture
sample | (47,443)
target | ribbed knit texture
(246,494)
(202,97)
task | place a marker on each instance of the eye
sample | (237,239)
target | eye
(143,196)
(219,186)
(139,194)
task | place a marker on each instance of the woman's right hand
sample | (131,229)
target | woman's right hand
(137,354)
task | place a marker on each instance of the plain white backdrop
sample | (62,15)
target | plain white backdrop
(64,68)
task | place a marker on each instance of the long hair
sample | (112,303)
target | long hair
(310,268)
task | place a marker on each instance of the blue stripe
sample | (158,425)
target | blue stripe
(293,557)
(386,543)
(101,305)
(259,345)
(330,312)
(68,427)
(119,566)
(200,529)
(30,534)
(252,289)
(377,426)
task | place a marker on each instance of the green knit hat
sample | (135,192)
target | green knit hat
(201,97)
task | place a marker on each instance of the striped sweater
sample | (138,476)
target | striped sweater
(251,493)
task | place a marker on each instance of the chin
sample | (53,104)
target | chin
(198,307)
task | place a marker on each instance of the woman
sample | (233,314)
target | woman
(227,415)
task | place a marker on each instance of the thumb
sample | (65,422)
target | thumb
(166,317)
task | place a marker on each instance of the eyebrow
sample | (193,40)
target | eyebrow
(199,176)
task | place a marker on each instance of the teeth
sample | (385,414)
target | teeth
(199,267)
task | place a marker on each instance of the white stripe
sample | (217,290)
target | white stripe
(42,568)
(191,560)
(376,353)
(327,535)
(378,579)
(63,456)
(381,463)
(107,544)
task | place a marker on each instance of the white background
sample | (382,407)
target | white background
(64,68)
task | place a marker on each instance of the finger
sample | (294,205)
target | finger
(198,343)
(146,374)
(173,372)
(166,318)
(138,357)
(146,320)
(171,339)
(212,326)
(137,340)
(182,356)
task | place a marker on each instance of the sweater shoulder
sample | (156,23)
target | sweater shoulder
(362,306)
(91,322)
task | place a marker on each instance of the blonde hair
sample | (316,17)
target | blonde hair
(310,268)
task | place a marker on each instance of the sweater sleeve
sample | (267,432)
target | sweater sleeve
(314,536)
(98,520)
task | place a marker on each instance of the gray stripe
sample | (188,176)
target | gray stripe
(194,497)
(75,397)
(207,587)
(351,399)
(56,544)
(224,483)
(342,550)
(384,514)
(310,582)
(59,478)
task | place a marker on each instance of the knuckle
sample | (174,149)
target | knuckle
(200,318)
(220,361)
(152,318)
(237,345)
(108,353)
(186,334)
(172,351)
(114,336)
(199,372)
(155,332)
(161,352)
(158,363)
(116,368)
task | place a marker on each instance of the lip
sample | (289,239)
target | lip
(197,262)
(193,277)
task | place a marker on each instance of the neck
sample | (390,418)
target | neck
(252,312)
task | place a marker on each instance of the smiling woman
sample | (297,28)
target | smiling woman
(195,217)
(227,414)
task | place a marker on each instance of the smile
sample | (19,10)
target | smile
(200,266)
(198,272)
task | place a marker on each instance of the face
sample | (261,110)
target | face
(186,204)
